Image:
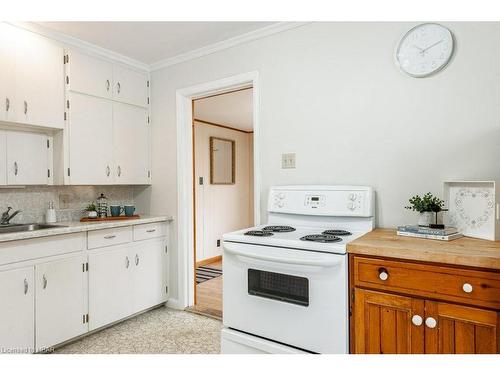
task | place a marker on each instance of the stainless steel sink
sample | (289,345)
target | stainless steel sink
(14,228)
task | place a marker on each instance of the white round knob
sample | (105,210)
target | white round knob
(430,322)
(417,320)
(351,206)
(352,196)
(467,288)
(383,276)
(282,195)
(280,204)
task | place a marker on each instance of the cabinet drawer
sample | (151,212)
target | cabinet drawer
(440,282)
(109,237)
(147,231)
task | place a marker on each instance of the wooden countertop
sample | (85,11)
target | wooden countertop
(464,251)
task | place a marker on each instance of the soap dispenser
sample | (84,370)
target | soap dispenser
(50,216)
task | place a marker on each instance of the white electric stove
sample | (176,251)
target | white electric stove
(285,286)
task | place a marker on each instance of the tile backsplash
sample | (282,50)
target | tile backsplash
(69,201)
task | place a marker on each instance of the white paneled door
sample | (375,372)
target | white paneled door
(60,301)
(17,314)
(91,140)
(130,144)
(27,158)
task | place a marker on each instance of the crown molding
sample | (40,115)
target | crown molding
(228,43)
(80,44)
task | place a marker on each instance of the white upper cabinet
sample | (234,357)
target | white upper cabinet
(27,158)
(3,158)
(130,86)
(89,75)
(130,144)
(90,140)
(7,73)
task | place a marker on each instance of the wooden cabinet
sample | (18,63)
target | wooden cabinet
(130,144)
(405,307)
(89,75)
(17,328)
(27,158)
(130,86)
(61,301)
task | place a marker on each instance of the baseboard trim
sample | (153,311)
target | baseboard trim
(204,262)
(175,304)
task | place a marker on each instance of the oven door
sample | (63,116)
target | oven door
(294,297)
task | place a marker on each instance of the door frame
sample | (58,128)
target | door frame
(185,176)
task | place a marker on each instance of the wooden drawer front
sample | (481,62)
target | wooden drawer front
(109,237)
(147,231)
(429,281)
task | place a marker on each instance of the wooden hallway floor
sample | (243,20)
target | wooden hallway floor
(209,295)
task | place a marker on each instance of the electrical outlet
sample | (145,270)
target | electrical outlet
(218,243)
(287,161)
(63,201)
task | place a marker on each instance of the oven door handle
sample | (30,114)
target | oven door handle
(335,260)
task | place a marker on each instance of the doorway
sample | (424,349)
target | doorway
(223,181)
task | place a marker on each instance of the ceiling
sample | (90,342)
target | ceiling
(151,42)
(234,109)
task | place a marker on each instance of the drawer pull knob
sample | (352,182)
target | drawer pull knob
(127,262)
(109,237)
(383,274)
(430,322)
(467,288)
(417,320)
(151,230)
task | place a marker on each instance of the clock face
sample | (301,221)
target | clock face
(425,49)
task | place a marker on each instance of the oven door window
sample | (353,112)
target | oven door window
(278,286)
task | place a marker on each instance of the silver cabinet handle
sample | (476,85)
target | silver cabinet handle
(467,288)
(118,87)
(136,259)
(25,107)
(109,237)
(107,85)
(16,168)
(119,171)
(108,171)
(383,274)
(26,286)
(431,322)
(417,320)
(127,262)
(44,282)
(7,104)
(151,231)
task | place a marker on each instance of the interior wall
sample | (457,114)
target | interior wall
(331,93)
(221,208)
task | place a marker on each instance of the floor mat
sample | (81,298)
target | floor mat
(205,273)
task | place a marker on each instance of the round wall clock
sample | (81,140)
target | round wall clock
(425,50)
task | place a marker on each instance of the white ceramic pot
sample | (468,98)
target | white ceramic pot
(425,218)
(92,214)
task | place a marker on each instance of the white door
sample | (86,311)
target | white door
(89,75)
(130,86)
(90,140)
(61,289)
(110,285)
(130,144)
(17,311)
(39,81)
(150,273)
(3,158)
(7,73)
(27,158)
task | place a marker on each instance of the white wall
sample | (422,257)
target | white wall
(221,208)
(331,93)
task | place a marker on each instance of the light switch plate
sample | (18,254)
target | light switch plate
(287,161)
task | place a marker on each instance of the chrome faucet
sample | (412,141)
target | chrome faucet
(6,217)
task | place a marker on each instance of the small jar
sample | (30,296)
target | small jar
(102,206)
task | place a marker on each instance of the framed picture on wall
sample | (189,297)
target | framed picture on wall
(222,161)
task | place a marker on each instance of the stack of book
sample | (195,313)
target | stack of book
(446,234)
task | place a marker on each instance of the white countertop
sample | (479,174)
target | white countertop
(76,226)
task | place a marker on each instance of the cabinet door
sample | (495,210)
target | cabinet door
(150,273)
(90,140)
(130,86)
(27,158)
(383,323)
(17,311)
(460,329)
(3,158)
(130,144)
(89,75)
(7,72)
(110,285)
(60,301)
(39,81)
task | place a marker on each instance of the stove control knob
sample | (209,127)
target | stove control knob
(351,206)
(282,195)
(280,204)
(352,196)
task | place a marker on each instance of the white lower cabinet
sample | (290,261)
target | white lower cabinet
(17,311)
(61,303)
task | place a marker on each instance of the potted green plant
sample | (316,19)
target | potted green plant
(91,210)
(427,206)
